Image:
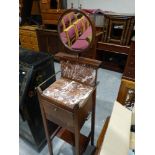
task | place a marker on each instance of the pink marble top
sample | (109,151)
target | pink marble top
(68,92)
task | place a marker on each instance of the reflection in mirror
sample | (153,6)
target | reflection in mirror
(75,30)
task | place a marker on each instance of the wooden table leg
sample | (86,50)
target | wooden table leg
(50,148)
(93,118)
(77,135)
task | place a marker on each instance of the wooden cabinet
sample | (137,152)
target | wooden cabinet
(51,10)
(114,46)
(126,94)
(129,72)
(28,37)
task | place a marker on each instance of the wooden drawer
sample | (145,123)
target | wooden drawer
(33,34)
(25,39)
(28,37)
(30,46)
(50,16)
(28,40)
(28,33)
(25,32)
(58,115)
(26,45)
(34,40)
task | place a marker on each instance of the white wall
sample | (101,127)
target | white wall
(120,6)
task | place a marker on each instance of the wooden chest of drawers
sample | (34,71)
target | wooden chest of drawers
(51,16)
(28,37)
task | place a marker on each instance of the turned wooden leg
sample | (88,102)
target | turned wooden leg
(93,118)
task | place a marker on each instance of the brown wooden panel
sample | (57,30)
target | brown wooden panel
(24,32)
(113,48)
(58,115)
(44,5)
(26,45)
(51,16)
(131,63)
(123,91)
(25,39)
(85,111)
(49,41)
(35,8)
(129,72)
(55,22)
(33,34)
(36,48)
(34,41)
(30,46)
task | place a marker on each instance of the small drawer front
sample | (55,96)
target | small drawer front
(33,34)
(25,32)
(34,41)
(50,16)
(58,115)
(27,46)
(25,39)
(30,46)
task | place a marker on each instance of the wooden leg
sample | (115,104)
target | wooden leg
(50,148)
(77,135)
(93,118)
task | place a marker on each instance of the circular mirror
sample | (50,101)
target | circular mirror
(76,31)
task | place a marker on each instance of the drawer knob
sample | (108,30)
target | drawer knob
(55,109)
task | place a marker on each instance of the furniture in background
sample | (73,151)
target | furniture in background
(126,94)
(28,37)
(30,12)
(114,43)
(25,10)
(35,8)
(51,10)
(49,41)
(34,68)
(129,71)
(69,101)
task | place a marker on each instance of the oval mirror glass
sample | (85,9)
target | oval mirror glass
(75,30)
